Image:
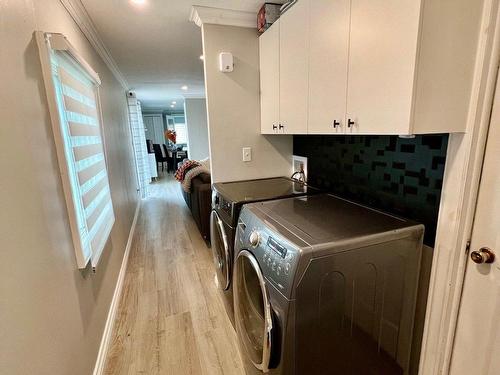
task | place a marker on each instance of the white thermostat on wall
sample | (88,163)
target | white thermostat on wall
(226,63)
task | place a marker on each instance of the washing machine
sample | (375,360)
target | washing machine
(227,200)
(325,286)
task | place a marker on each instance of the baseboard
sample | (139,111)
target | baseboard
(115,302)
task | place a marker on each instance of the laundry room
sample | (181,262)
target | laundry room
(296,187)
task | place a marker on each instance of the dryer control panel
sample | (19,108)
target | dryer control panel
(277,257)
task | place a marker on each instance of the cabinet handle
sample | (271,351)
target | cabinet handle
(275,127)
(350,123)
(281,126)
(336,123)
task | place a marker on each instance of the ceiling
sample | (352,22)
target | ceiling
(156,47)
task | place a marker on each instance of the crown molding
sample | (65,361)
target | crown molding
(207,15)
(193,96)
(81,17)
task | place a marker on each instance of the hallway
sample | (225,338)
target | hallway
(171,319)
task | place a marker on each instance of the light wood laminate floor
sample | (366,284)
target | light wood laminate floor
(171,319)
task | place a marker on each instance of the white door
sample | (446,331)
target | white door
(294,56)
(328,55)
(149,129)
(477,341)
(154,128)
(382,58)
(269,47)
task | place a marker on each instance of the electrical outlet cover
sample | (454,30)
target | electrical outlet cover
(299,164)
(247,154)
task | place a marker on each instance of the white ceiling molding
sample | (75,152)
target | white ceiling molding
(79,14)
(201,15)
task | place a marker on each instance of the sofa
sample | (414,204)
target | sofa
(199,201)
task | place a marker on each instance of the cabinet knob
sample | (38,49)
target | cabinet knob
(350,123)
(336,123)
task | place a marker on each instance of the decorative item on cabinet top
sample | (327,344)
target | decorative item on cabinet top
(268,14)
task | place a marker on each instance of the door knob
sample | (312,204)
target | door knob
(483,255)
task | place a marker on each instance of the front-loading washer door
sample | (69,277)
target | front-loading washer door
(220,251)
(252,309)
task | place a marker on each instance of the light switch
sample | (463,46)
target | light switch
(247,154)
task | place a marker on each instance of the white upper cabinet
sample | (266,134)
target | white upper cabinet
(373,66)
(328,59)
(269,45)
(294,57)
(382,60)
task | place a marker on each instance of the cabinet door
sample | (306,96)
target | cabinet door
(269,44)
(294,56)
(382,58)
(328,59)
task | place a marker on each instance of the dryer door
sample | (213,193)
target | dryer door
(254,324)
(220,250)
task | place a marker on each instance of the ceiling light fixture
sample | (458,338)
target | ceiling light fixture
(174,102)
(138,2)
(172,106)
(184,88)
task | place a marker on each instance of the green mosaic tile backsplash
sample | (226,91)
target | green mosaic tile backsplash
(400,176)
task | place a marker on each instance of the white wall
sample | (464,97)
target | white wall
(195,111)
(234,109)
(51,314)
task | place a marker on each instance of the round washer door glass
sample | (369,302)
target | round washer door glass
(252,310)
(220,250)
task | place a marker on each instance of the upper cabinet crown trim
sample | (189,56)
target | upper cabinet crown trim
(207,15)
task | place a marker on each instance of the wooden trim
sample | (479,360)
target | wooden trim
(459,195)
(202,15)
(115,301)
(79,14)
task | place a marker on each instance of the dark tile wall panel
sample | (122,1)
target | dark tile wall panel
(396,175)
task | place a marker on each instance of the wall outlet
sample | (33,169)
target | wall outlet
(247,154)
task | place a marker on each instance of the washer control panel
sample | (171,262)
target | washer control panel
(277,257)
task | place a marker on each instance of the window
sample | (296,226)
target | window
(73,97)
(181,129)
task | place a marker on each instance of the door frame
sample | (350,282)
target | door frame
(459,196)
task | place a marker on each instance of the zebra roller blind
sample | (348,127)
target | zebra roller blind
(72,90)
